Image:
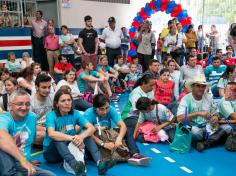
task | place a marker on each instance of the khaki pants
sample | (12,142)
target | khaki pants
(52,59)
(91,58)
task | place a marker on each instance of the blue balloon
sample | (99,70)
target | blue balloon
(183,14)
(132,52)
(148,10)
(133,29)
(157,3)
(139,19)
(185,28)
(170,7)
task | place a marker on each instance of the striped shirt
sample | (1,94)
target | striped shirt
(213,74)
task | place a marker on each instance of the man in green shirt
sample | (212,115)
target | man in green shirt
(200,109)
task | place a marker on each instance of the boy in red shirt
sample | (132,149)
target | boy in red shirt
(61,67)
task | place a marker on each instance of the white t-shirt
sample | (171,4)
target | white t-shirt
(112,38)
(74,88)
(41,108)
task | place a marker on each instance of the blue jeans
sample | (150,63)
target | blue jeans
(92,148)
(81,105)
(58,151)
(58,77)
(131,144)
(11,167)
(71,59)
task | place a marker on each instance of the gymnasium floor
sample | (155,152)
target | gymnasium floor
(212,162)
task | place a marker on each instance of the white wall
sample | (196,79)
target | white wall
(100,12)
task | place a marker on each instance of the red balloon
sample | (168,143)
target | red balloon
(136,24)
(177,9)
(152,6)
(132,46)
(188,20)
(173,14)
(183,21)
(132,34)
(164,4)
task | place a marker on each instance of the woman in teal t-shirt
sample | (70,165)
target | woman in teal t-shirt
(228,76)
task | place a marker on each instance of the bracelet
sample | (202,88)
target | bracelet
(102,144)
(22,160)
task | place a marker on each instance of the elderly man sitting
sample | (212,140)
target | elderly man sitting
(201,115)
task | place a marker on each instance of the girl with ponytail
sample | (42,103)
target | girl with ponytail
(150,112)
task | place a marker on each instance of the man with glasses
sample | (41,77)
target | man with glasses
(17,133)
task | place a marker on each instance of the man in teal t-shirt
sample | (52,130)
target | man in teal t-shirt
(18,131)
(88,76)
(213,73)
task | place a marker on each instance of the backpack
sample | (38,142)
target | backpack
(230,143)
(88,96)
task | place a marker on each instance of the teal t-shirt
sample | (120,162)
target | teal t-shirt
(226,108)
(64,124)
(130,107)
(82,82)
(23,131)
(213,74)
(106,121)
(223,83)
(107,68)
(206,104)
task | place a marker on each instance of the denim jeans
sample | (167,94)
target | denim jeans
(81,105)
(131,144)
(92,148)
(11,167)
(58,151)
(71,58)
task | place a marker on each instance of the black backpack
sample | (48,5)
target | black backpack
(230,143)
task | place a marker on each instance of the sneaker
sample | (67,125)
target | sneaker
(114,98)
(79,168)
(200,146)
(104,165)
(139,160)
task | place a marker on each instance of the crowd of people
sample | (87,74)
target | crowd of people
(67,111)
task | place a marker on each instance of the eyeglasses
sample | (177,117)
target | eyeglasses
(21,104)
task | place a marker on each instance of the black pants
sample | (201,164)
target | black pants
(112,55)
(144,60)
(39,53)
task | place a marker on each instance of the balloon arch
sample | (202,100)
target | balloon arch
(170,7)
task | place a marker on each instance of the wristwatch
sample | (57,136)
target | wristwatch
(102,144)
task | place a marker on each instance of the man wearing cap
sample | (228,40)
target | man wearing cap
(200,110)
(112,35)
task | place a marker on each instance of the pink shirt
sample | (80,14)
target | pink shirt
(51,42)
(39,28)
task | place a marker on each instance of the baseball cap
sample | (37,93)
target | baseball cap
(111,20)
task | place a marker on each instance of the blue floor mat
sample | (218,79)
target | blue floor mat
(212,162)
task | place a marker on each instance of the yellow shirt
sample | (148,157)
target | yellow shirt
(163,35)
(191,39)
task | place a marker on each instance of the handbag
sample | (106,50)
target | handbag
(178,51)
(230,143)
(149,136)
(183,137)
(121,154)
